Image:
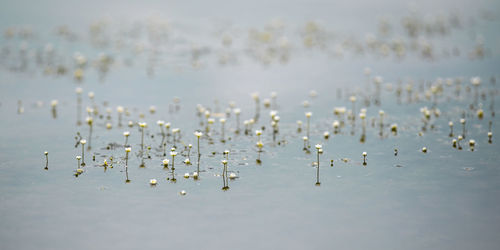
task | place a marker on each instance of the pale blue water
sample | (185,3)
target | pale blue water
(444,199)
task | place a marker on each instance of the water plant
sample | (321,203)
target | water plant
(237,113)
(83,141)
(53,104)
(222,122)
(46,160)
(299,126)
(78,92)
(173,154)
(126,134)
(142,125)
(90,122)
(308,116)
(319,150)
(224,175)
(462,121)
(364,158)
(127,150)
(450,124)
(120,111)
(472,144)
(255,97)
(78,158)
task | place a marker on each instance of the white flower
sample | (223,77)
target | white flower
(258,132)
(336,124)
(165,161)
(160,122)
(198,134)
(475,80)
(183,192)
(318,146)
(232,176)
(83,141)
(142,124)
(186,175)
(237,111)
(152,109)
(126,133)
(364,153)
(120,109)
(128,149)
(152,181)
(173,153)
(308,114)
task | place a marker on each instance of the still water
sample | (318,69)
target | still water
(402,198)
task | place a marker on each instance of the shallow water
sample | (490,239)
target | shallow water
(443,199)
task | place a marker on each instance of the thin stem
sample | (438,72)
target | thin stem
(83,155)
(317,170)
(142,141)
(126,159)
(199,148)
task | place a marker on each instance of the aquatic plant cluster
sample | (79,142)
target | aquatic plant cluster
(160,44)
(167,148)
